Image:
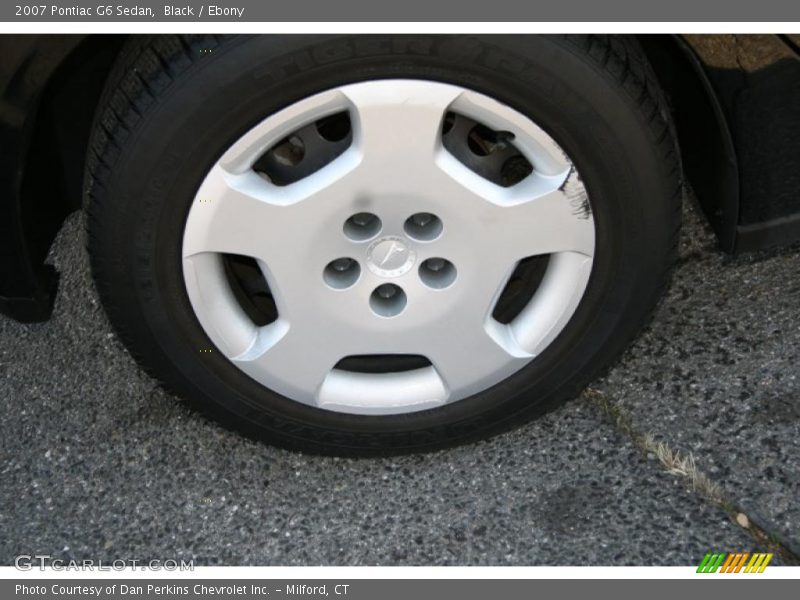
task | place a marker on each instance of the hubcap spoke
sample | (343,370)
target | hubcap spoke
(541,218)
(229,215)
(543,214)
(295,359)
(242,213)
(472,351)
(397,126)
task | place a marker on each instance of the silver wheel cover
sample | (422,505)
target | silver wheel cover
(395,166)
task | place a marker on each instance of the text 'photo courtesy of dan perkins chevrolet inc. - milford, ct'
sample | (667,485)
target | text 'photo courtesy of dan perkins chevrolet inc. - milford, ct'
(171,589)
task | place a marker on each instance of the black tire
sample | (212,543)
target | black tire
(169,111)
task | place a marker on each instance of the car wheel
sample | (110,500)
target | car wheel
(361,244)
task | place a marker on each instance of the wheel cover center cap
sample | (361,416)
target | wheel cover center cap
(390,257)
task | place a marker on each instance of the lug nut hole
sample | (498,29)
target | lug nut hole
(388,300)
(423,227)
(437,273)
(341,273)
(362,226)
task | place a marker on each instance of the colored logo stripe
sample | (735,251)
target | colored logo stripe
(758,563)
(734,562)
(711,563)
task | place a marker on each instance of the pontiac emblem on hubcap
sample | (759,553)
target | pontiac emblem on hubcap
(390,257)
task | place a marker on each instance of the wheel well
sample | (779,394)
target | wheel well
(707,151)
(52,179)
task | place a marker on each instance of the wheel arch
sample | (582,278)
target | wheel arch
(50,86)
(708,154)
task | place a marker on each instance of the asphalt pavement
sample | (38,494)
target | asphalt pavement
(98,461)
